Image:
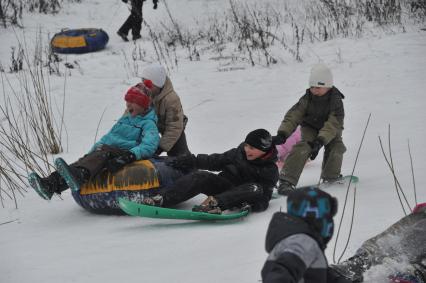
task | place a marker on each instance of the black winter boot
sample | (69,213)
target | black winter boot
(122,35)
(136,36)
(75,177)
(41,186)
(46,187)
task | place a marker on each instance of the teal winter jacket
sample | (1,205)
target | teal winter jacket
(137,134)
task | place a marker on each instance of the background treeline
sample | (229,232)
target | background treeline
(11,11)
(257,32)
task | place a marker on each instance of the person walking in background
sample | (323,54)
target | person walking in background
(134,21)
(171,119)
(320,113)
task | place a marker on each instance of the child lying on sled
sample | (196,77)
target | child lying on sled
(246,178)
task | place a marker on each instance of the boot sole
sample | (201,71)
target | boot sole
(64,170)
(197,208)
(285,192)
(123,37)
(35,183)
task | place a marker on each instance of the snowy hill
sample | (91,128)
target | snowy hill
(57,241)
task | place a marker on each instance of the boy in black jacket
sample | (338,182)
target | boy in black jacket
(247,176)
(296,240)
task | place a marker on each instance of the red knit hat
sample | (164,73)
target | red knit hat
(420,207)
(136,95)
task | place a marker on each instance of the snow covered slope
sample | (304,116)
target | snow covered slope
(57,241)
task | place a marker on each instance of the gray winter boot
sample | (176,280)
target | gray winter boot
(285,187)
(338,179)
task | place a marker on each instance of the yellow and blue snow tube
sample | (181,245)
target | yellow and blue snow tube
(77,41)
(134,182)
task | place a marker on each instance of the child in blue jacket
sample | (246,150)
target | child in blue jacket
(133,137)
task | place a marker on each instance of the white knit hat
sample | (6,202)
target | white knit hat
(321,76)
(156,73)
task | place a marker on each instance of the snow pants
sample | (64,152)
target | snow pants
(296,160)
(210,184)
(134,21)
(180,147)
(96,161)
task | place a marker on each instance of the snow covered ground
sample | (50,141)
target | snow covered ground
(57,241)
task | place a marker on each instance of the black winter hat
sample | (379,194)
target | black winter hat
(260,139)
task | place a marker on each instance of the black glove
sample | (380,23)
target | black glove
(115,164)
(159,151)
(155,4)
(124,1)
(184,162)
(278,139)
(316,146)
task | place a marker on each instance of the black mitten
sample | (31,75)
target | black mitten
(278,139)
(316,146)
(115,164)
(184,162)
(159,151)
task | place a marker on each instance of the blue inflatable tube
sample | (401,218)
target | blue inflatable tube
(77,41)
(133,182)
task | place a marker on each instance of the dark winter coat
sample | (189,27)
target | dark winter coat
(296,253)
(238,182)
(323,113)
(234,166)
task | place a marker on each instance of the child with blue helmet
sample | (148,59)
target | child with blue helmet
(296,240)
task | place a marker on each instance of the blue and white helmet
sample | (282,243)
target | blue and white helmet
(316,207)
